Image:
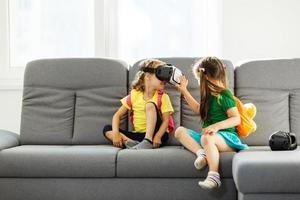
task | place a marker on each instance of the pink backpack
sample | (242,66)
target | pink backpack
(160,94)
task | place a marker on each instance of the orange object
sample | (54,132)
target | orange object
(247,113)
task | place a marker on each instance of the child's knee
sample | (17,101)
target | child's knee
(179,132)
(207,139)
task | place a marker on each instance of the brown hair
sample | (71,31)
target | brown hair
(206,69)
(139,81)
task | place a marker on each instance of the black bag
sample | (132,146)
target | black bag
(280,141)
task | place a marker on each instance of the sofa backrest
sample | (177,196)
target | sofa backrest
(183,115)
(68,101)
(274,87)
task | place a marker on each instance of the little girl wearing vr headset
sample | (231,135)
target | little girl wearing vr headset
(219,115)
(150,120)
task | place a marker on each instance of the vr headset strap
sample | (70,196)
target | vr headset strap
(148,69)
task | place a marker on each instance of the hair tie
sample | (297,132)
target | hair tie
(201,69)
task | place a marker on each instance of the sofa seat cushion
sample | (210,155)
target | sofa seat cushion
(261,170)
(58,161)
(169,161)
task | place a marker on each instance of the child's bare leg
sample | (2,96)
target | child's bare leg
(182,135)
(212,152)
(151,117)
(212,145)
(184,138)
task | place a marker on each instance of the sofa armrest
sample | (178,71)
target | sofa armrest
(8,139)
(267,172)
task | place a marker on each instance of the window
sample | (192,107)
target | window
(160,28)
(49,29)
(125,29)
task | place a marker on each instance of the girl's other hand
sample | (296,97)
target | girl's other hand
(182,87)
(212,129)
(117,140)
(156,141)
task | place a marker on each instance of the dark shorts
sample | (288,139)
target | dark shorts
(140,136)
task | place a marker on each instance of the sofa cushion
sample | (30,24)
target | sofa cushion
(272,113)
(47,116)
(265,171)
(169,161)
(112,189)
(58,161)
(294,108)
(273,86)
(94,109)
(68,101)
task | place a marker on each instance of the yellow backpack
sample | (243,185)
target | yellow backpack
(247,112)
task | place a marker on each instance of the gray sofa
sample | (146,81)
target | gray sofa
(61,153)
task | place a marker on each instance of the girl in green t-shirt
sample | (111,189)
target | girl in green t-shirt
(220,117)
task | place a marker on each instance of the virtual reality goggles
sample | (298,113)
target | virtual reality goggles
(166,72)
(281,140)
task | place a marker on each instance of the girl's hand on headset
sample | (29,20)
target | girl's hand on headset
(182,87)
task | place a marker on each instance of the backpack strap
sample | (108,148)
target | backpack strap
(159,102)
(128,101)
(159,98)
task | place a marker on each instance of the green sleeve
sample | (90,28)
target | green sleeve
(227,100)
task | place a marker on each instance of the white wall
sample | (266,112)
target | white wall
(251,29)
(259,29)
(10,110)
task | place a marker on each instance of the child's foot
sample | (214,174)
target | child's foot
(131,143)
(212,181)
(200,161)
(145,144)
